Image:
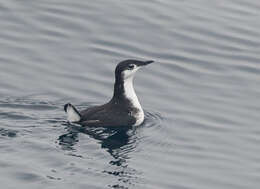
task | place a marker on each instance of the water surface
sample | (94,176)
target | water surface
(201,97)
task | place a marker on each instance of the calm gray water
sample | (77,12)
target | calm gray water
(201,97)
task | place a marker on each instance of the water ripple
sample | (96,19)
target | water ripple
(201,95)
(8,132)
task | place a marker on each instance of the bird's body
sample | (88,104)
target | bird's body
(123,109)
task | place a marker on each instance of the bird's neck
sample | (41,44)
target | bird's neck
(124,90)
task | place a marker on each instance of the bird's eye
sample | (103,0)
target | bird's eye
(131,66)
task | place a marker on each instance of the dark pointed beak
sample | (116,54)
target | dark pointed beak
(147,62)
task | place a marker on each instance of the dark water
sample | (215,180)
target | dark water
(201,97)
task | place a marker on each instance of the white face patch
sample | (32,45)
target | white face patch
(130,94)
(130,73)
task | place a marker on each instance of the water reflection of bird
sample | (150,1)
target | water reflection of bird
(118,142)
(109,138)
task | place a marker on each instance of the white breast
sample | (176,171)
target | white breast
(130,94)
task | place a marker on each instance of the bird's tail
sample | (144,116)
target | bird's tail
(72,113)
